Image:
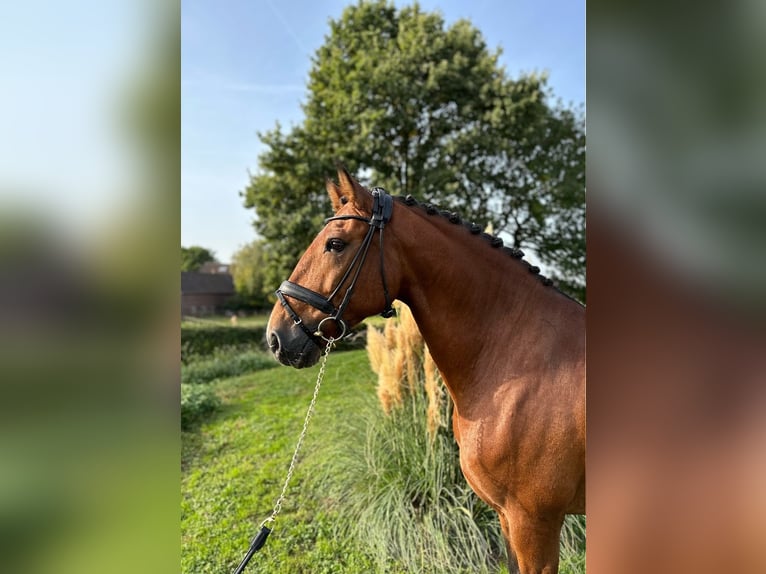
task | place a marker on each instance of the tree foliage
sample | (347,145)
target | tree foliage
(247,266)
(417,107)
(193,257)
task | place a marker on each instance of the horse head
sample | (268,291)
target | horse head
(344,276)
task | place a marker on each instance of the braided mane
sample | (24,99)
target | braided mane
(494,241)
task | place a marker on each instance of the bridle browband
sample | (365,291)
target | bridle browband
(382,209)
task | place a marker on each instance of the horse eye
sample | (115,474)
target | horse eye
(336,245)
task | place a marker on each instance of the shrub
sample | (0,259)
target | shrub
(202,341)
(225,362)
(197,403)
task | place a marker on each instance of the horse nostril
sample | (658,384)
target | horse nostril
(273,342)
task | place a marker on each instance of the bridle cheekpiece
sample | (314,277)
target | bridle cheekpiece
(382,209)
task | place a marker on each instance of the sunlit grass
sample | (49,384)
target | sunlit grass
(234,464)
(233,468)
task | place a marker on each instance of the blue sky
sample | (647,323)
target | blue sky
(245,64)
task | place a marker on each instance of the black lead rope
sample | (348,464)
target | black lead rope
(255,545)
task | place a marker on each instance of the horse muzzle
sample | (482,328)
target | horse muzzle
(293,348)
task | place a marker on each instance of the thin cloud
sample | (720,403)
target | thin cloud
(304,50)
(273,89)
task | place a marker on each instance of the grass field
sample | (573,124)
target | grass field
(234,464)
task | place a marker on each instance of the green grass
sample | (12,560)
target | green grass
(233,468)
(234,464)
(572,559)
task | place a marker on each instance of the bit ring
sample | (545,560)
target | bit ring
(340,322)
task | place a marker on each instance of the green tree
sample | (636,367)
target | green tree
(247,272)
(424,109)
(193,257)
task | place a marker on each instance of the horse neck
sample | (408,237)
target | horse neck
(472,303)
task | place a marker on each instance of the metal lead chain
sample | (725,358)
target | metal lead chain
(309,413)
(260,539)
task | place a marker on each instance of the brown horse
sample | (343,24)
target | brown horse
(510,347)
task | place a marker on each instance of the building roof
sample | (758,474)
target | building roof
(209,283)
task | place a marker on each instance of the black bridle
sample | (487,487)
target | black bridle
(382,209)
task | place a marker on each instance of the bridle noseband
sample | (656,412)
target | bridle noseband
(382,209)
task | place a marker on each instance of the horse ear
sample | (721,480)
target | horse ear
(336,197)
(349,190)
